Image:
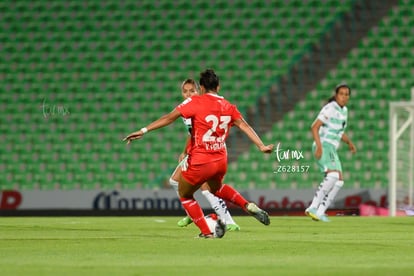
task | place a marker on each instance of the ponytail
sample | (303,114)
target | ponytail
(331,99)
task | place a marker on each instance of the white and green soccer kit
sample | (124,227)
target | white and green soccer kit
(334,120)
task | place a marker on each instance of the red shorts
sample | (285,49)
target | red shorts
(199,173)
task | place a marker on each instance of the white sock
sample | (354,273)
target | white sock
(330,198)
(324,188)
(219,206)
(227,217)
(174,184)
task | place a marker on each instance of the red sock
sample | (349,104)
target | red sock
(229,193)
(196,214)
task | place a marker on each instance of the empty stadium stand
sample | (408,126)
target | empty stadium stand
(77,76)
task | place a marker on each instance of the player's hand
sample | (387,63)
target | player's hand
(133,136)
(318,152)
(352,147)
(266,149)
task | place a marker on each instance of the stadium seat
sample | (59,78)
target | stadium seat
(118,65)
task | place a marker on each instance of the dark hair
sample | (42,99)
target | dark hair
(191,81)
(209,80)
(332,98)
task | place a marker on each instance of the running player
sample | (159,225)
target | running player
(188,89)
(212,117)
(328,130)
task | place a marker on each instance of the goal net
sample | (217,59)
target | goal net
(400,194)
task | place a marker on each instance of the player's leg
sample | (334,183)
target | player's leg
(174,183)
(324,188)
(193,209)
(336,171)
(227,192)
(186,190)
(220,207)
(175,177)
(324,163)
(328,200)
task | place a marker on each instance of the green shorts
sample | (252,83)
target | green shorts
(329,160)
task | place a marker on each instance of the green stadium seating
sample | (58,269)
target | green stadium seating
(374,85)
(118,65)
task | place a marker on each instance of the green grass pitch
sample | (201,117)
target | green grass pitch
(156,246)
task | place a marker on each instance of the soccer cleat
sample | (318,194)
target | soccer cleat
(184,222)
(206,236)
(258,213)
(220,229)
(232,227)
(324,218)
(311,212)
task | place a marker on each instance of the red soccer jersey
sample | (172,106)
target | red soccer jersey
(212,117)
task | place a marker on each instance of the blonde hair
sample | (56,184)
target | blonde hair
(191,81)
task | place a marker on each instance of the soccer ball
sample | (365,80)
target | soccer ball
(212,222)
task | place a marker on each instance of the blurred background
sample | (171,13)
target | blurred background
(78,76)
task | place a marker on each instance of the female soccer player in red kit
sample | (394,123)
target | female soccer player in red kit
(190,88)
(212,117)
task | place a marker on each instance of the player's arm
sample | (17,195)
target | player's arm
(315,134)
(159,123)
(249,131)
(348,141)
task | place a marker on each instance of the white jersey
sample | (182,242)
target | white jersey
(334,120)
(188,124)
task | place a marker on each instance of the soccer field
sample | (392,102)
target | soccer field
(156,246)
